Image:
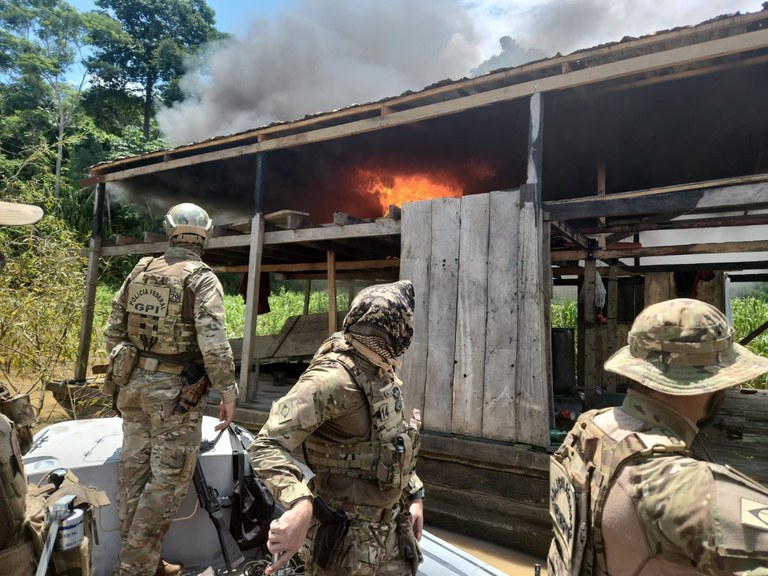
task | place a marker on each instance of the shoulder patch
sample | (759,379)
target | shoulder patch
(285,411)
(754,514)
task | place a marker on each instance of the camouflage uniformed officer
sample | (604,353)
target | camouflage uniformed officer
(168,314)
(626,495)
(17,539)
(346,413)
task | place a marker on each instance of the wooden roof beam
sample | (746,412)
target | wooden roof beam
(384,227)
(573,234)
(590,75)
(654,251)
(661,200)
(625,230)
(386,264)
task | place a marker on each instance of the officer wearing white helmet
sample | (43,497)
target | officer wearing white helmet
(626,496)
(166,331)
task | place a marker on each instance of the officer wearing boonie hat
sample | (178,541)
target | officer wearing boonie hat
(17,417)
(626,494)
(13,214)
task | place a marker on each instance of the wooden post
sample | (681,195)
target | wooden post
(546,282)
(613,313)
(536,145)
(589,343)
(601,192)
(331,258)
(94,255)
(252,296)
(307,295)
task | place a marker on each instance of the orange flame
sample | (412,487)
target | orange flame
(396,189)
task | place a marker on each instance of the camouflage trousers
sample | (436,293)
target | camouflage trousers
(156,466)
(368,549)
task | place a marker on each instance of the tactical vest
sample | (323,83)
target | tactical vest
(581,474)
(389,457)
(13,486)
(158,322)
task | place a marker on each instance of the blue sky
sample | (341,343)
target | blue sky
(231,15)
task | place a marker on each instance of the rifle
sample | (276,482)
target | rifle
(209,500)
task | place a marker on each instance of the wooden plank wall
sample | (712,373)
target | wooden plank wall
(476,367)
(415,256)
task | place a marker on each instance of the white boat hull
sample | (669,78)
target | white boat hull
(91,450)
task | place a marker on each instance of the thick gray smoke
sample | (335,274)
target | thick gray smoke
(319,57)
(512,54)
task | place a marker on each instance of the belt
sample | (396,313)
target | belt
(155,365)
(371,513)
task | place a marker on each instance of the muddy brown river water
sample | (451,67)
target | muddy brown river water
(508,561)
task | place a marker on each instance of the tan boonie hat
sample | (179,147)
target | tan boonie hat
(12,214)
(685,347)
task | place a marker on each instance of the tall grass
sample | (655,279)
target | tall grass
(564,313)
(282,305)
(749,312)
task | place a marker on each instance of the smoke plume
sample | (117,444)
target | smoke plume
(321,56)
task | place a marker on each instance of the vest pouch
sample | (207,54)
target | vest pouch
(14,485)
(75,559)
(395,460)
(122,360)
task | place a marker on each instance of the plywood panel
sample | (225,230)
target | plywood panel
(712,291)
(532,399)
(658,287)
(499,418)
(468,375)
(415,250)
(443,286)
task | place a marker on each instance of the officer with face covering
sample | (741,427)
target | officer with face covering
(346,414)
(166,330)
(627,497)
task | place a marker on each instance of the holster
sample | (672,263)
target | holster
(195,384)
(122,360)
(333,527)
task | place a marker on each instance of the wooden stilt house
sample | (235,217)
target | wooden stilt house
(635,171)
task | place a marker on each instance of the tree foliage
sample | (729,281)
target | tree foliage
(147,44)
(41,299)
(54,124)
(44,39)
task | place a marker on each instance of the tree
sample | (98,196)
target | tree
(149,46)
(42,40)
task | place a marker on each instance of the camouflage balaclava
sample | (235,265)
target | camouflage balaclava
(381,318)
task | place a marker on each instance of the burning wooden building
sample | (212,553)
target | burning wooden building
(568,170)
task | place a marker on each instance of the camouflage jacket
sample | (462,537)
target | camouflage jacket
(327,403)
(208,313)
(652,507)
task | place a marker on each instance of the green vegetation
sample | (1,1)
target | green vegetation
(283,304)
(749,313)
(564,313)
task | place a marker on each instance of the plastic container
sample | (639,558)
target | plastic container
(71,531)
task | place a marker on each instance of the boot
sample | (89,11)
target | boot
(167,569)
